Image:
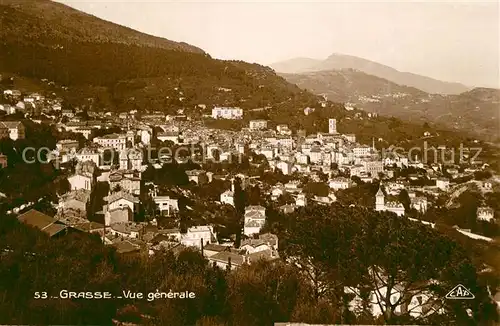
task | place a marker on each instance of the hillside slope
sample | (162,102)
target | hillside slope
(476,111)
(47,22)
(347,85)
(296,65)
(126,69)
(341,61)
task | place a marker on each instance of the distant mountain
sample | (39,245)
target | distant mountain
(296,65)
(348,85)
(476,111)
(341,61)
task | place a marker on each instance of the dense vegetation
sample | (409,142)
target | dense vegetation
(52,23)
(338,243)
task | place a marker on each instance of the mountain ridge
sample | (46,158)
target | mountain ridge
(476,111)
(48,22)
(343,61)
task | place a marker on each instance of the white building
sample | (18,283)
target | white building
(14,129)
(485,214)
(84,176)
(121,199)
(395,159)
(351,138)
(381,205)
(118,215)
(301,200)
(85,131)
(145,137)
(172,136)
(255,218)
(420,204)
(227,113)
(116,141)
(301,158)
(361,151)
(277,191)
(308,110)
(257,124)
(67,145)
(293,186)
(127,180)
(443,184)
(285,167)
(227,197)
(417,305)
(197,234)
(8,109)
(332,126)
(339,183)
(315,155)
(283,129)
(373,168)
(166,205)
(197,176)
(268,152)
(88,154)
(130,159)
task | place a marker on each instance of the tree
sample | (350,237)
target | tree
(149,174)
(362,250)
(263,293)
(317,189)
(254,196)
(404,199)
(239,204)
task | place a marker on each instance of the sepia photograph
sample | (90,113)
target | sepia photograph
(250,162)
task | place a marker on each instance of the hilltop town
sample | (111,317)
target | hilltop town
(150,182)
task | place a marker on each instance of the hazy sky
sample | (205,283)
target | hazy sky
(454,41)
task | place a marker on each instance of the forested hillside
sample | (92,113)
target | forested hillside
(51,23)
(128,69)
(340,244)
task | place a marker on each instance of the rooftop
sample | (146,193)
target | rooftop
(113,136)
(121,195)
(254,214)
(41,221)
(82,195)
(125,247)
(215,247)
(200,228)
(89,226)
(225,256)
(10,124)
(126,227)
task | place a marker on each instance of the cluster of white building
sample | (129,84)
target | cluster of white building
(227,113)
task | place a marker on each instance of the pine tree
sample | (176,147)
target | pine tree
(239,204)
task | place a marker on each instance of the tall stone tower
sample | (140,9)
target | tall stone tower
(379,200)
